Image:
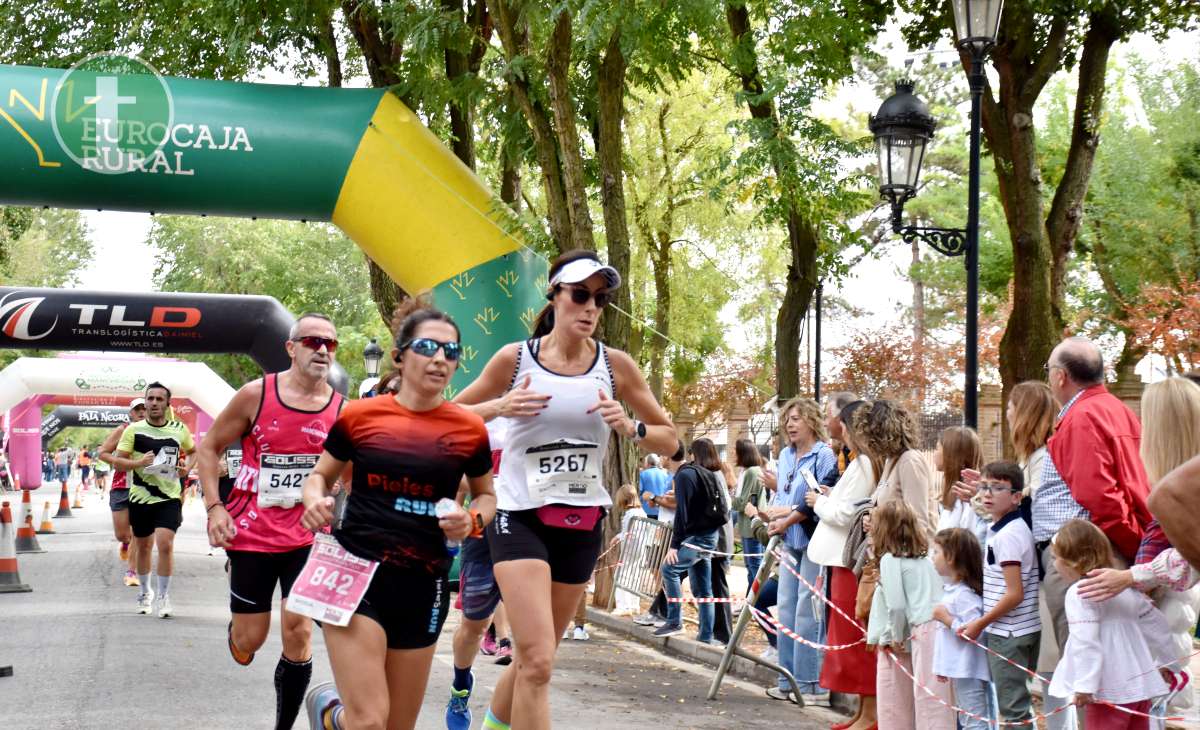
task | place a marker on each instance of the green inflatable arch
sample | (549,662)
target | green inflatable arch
(135,141)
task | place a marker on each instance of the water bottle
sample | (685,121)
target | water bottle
(444,508)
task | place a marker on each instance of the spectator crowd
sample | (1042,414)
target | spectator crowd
(944,592)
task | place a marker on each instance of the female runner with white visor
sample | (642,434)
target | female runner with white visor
(562,391)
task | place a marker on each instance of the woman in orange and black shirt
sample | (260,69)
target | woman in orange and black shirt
(408,451)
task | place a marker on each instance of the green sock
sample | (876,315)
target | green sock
(491,723)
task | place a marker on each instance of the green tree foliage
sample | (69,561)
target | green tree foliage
(1039,38)
(308,267)
(43,248)
(1143,208)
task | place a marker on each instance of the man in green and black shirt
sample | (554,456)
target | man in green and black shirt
(154,452)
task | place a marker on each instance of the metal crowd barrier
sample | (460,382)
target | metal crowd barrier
(732,648)
(642,554)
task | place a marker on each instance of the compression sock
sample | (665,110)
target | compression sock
(164,585)
(144,579)
(331,717)
(462,679)
(491,723)
(291,682)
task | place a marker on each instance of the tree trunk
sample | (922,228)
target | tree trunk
(802,233)
(1066,211)
(462,115)
(1025,59)
(660,262)
(558,62)
(545,142)
(386,293)
(801,283)
(918,315)
(610,155)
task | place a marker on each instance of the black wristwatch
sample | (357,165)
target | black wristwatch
(639,431)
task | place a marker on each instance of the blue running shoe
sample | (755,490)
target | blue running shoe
(458,714)
(319,699)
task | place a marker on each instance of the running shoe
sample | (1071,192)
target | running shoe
(458,714)
(165,609)
(646,619)
(488,646)
(131,579)
(319,699)
(124,552)
(504,653)
(580,634)
(145,603)
(668,630)
(815,699)
(241,657)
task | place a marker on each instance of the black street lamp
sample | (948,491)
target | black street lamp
(902,129)
(372,355)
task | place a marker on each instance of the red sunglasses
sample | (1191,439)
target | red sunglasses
(315,343)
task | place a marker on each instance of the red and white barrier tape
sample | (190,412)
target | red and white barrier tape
(619,539)
(787,560)
(710,551)
(687,599)
(780,628)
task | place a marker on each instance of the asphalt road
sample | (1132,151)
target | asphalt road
(83,659)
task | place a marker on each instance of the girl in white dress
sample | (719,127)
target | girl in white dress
(1118,651)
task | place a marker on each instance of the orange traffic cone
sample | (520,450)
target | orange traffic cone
(64,503)
(27,538)
(26,508)
(10,577)
(47,527)
(27,541)
(77,504)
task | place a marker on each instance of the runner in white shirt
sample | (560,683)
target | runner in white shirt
(563,391)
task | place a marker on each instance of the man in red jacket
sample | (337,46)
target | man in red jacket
(1092,471)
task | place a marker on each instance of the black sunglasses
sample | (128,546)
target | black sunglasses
(428,347)
(315,343)
(581,295)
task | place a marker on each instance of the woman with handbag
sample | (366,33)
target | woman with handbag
(847,670)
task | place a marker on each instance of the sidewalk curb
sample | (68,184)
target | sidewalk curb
(681,646)
(686,648)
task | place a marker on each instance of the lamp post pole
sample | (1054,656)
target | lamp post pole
(971,366)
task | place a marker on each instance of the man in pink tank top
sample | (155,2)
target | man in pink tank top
(281,421)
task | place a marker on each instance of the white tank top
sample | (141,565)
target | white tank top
(557,456)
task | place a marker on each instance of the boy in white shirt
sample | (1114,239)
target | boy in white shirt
(1010,591)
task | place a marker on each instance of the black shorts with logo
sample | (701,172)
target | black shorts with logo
(521,535)
(146,518)
(411,605)
(253,575)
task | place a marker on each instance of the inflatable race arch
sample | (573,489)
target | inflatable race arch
(197,394)
(98,138)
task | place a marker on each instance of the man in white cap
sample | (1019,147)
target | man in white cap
(118,497)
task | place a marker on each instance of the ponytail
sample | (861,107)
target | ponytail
(544,322)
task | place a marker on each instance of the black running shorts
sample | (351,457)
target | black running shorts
(410,605)
(520,535)
(252,577)
(118,500)
(146,518)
